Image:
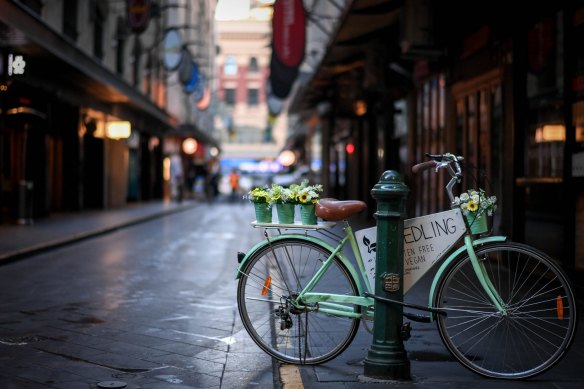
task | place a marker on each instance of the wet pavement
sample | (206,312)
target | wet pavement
(149,304)
(145,296)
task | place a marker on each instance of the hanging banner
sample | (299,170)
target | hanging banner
(282,78)
(190,86)
(203,104)
(185,69)
(289,31)
(275,104)
(138,14)
(199,91)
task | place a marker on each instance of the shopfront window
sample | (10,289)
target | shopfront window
(547,130)
(577,83)
(545,138)
(430,138)
(479,132)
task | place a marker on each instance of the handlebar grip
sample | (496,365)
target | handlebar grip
(423,166)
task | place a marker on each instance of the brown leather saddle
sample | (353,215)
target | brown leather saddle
(336,210)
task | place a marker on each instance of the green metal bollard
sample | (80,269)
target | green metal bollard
(387,358)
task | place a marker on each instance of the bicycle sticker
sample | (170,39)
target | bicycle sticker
(426,238)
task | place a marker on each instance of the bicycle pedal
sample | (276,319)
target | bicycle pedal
(406,330)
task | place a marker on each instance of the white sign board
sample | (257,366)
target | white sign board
(426,239)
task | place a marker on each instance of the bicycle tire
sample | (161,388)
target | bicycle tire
(541,312)
(308,337)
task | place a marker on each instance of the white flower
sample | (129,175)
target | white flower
(476,201)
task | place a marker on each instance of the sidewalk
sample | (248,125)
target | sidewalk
(432,366)
(18,241)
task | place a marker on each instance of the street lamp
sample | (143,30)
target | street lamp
(189,146)
(287,158)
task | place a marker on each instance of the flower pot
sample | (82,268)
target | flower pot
(285,213)
(478,224)
(263,213)
(307,214)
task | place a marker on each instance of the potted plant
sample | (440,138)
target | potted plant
(307,196)
(475,206)
(284,201)
(260,197)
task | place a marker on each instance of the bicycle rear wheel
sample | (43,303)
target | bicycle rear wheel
(541,312)
(272,279)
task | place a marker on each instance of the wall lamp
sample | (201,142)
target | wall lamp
(118,129)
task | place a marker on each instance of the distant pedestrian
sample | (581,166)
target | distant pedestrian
(234,182)
(214,170)
(176,178)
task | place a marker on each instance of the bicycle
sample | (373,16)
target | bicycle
(503,309)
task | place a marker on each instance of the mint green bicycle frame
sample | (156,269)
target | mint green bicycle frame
(342,305)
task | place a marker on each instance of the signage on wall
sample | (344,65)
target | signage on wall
(12,65)
(172,49)
(16,65)
(138,13)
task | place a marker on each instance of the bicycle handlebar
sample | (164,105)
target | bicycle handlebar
(420,167)
(441,161)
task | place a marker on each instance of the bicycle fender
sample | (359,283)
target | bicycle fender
(316,241)
(461,250)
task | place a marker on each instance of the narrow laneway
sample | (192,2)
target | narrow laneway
(149,305)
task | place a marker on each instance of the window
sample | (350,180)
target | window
(478,117)
(137,57)
(121,45)
(253,65)
(98,18)
(230,66)
(547,129)
(35,6)
(229,96)
(70,19)
(252,96)
(429,137)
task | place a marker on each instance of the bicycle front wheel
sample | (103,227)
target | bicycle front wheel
(271,314)
(537,327)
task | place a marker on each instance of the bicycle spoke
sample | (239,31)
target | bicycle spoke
(278,321)
(531,334)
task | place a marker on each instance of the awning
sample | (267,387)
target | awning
(365,24)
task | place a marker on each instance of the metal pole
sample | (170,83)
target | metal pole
(387,358)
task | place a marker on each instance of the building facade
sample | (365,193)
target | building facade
(251,136)
(75,74)
(499,86)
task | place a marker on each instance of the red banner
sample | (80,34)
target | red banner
(289,31)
